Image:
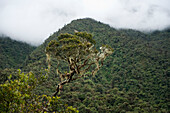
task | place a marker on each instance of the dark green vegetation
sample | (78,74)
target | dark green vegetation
(134,79)
(13,53)
(17,96)
(78,53)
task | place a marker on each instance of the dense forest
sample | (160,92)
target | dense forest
(135,78)
(13,53)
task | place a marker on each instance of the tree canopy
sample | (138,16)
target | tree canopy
(135,78)
(18,96)
(78,51)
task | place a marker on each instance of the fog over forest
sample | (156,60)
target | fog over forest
(33,21)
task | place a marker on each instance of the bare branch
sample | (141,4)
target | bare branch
(89,65)
(59,86)
(80,54)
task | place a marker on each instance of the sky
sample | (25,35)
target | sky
(33,21)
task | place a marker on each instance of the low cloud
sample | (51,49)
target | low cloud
(33,21)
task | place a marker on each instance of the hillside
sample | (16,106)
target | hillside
(13,53)
(134,78)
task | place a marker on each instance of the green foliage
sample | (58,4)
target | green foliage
(79,54)
(136,75)
(69,45)
(13,53)
(5,73)
(86,36)
(18,96)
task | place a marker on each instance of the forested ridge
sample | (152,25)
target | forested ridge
(135,78)
(13,53)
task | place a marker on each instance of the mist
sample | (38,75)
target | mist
(32,21)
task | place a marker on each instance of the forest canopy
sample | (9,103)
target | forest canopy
(80,55)
(135,78)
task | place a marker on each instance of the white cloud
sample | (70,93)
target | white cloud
(34,20)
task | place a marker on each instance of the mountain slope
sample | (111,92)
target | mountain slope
(13,53)
(134,78)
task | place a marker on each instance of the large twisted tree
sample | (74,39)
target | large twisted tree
(79,54)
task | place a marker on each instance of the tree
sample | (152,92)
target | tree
(18,96)
(79,53)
